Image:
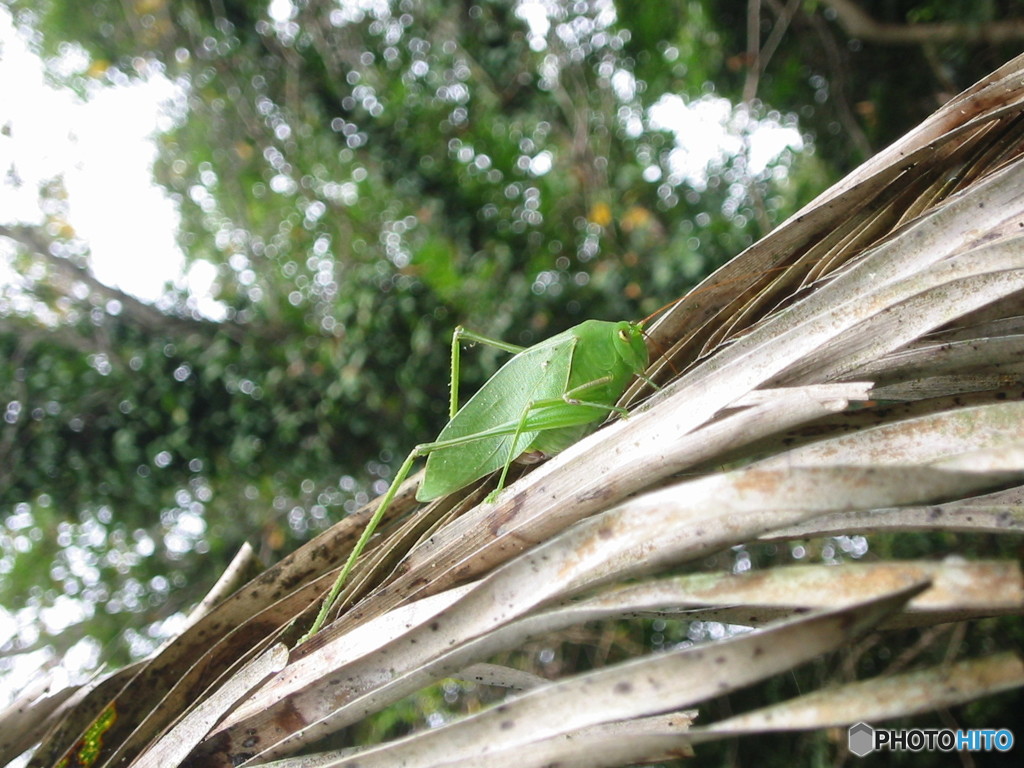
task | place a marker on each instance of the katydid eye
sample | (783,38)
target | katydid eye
(623,336)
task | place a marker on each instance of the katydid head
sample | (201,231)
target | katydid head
(642,325)
(630,345)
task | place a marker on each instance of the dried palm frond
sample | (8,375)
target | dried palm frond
(858,370)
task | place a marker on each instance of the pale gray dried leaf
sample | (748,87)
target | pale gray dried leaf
(500,676)
(173,746)
(491,534)
(604,742)
(879,698)
(663,527)
(926,438)
(29,715)
(990,513)
(1003,354)
(642,687)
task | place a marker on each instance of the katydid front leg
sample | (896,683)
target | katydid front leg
(569,398)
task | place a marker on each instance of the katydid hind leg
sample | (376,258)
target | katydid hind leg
(360,545)
(567,399)
(419,451)
(458,335)
(512,453)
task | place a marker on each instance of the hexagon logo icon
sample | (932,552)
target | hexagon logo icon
(861,739)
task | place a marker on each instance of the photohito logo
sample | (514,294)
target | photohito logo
(863,739)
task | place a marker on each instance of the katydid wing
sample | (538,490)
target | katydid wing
(559,388)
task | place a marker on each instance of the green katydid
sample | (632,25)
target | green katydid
(541,401)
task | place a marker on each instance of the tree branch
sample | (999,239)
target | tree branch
(858,24)
(839,77)
(759,55)
(145,315)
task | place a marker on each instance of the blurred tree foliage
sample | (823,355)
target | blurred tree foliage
(364,175)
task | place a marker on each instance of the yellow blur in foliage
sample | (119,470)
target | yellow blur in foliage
(98,68)
(148,6)
(600,214)
(637,217)
(244,150)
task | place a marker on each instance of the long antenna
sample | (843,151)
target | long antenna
(662,308)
